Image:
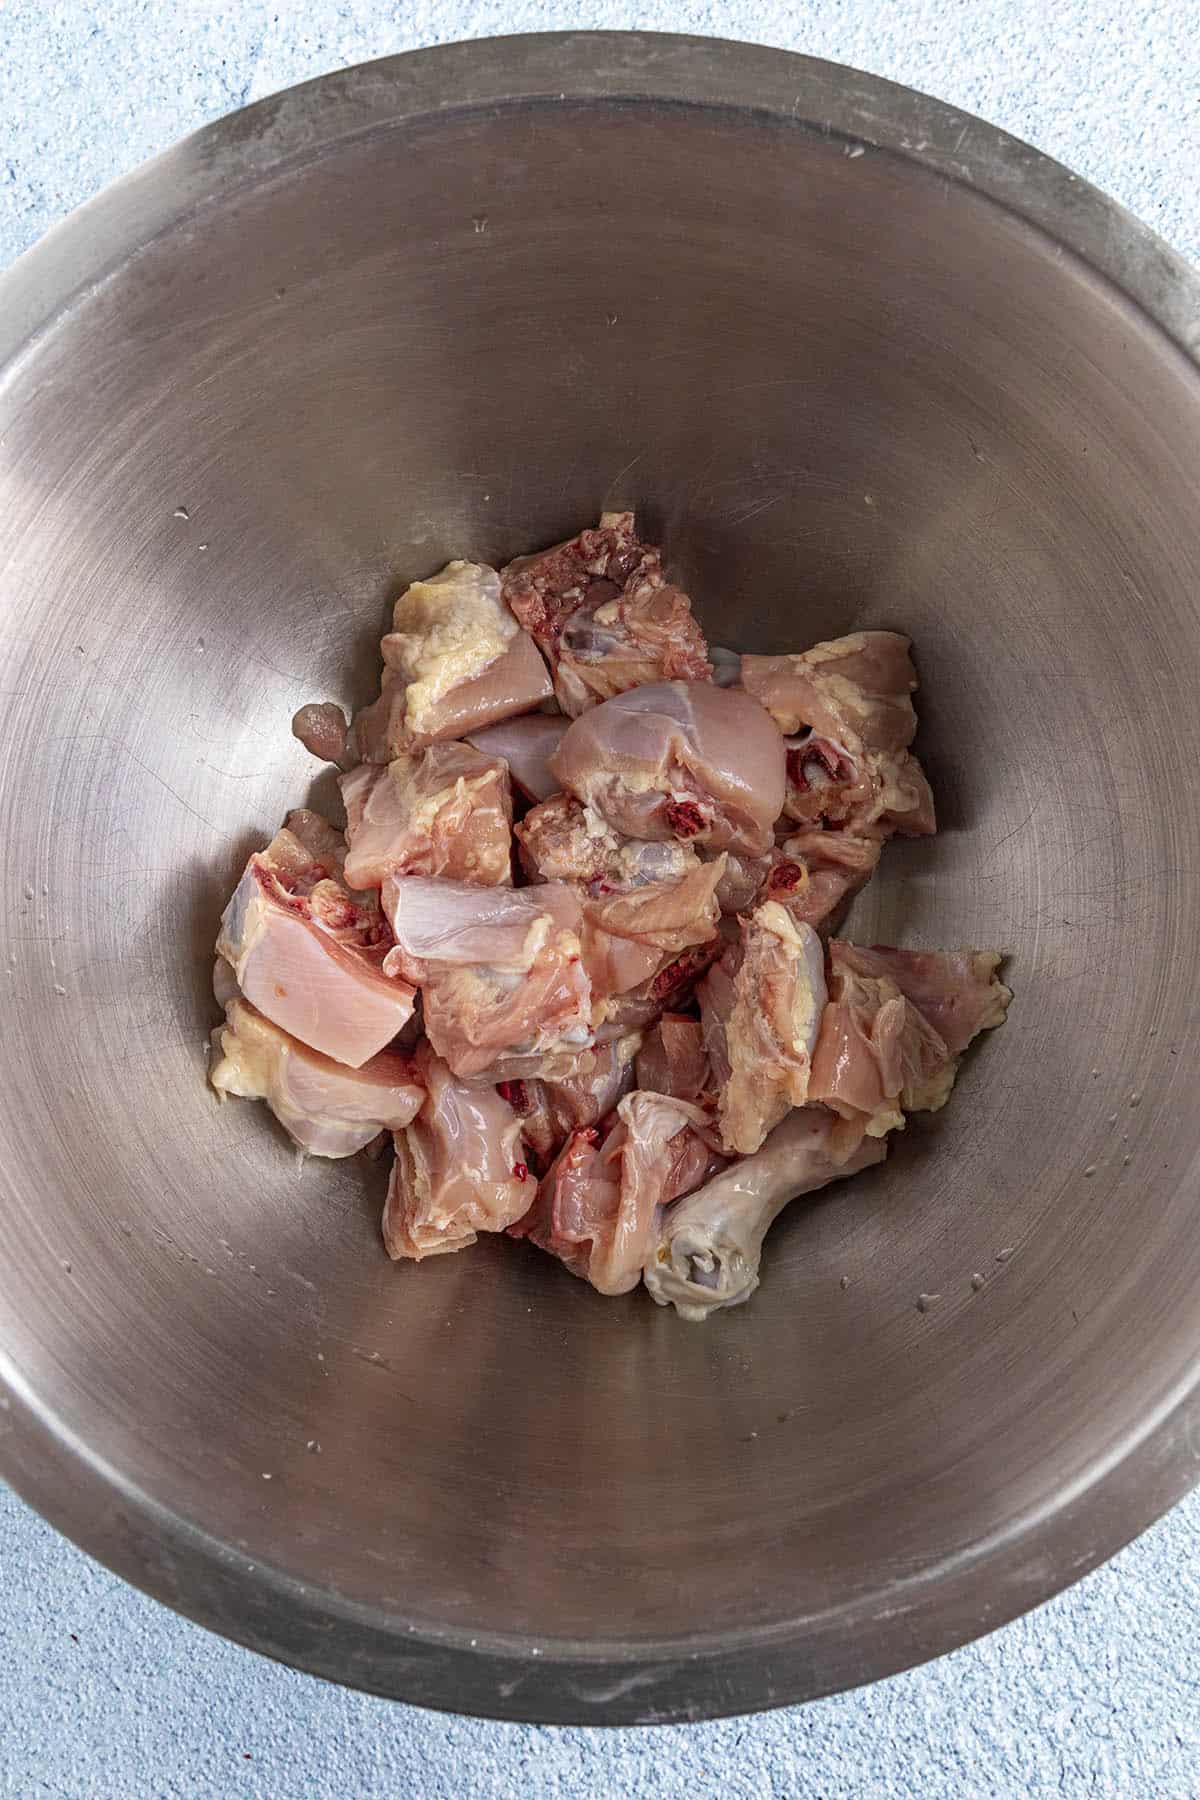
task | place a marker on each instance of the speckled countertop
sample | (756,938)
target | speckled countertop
(104,1693)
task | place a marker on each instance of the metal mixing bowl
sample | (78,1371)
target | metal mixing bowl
(859,360)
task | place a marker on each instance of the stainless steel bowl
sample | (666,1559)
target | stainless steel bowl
(860,360)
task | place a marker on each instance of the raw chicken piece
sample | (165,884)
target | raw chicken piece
(866,793)
(904,799)
(318,839)
(851,698)
(564,840)
(957,992)
(642,902)
(527,745)
(672,987)
(603,614)
(445,811)
(460,1167)
(742,882)
(876,1057)
(672,915)
(550,1110)
(321,727)
(816,875)
(630,938)
(895,1027)
(674,839)
(680,760)
(441,924)
(326,1108)
(577,1203)
(761,1009)
(455,661)
(854,690)
(539,1132)
(597,1206)
(604,1077)
(308,952)
(501,970)
(673,1060)
(669,1150)
(709,1245)
(827,787)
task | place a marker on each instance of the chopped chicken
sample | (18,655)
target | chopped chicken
(563,840)
(460,1167)
(321,841)
(604,1077)
(321,727)
(855,690)
(673,1060)
(445,811)
(709,1245)
(597,1207)
(816,875)
(826,786)
(604,615)
(501,970)
(539,1128)
(527,745)
(308,952)
(904,798)
(617,965)
(577,1203)
(455,660)
(880,1053)
(852,700)
(680,760)
(629,938)
(876,1057)
(831,789)
(643,902)
(761,1009)
(694,826)
(742,882)
(327,1108)
(439,924)
(957,992)
(672,987)
(851,780)
(551,1109)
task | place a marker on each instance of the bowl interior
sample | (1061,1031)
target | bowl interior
(844,393)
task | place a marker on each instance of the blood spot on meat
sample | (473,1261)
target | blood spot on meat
(817,763)
(684,817)
(680,971)
(786,877)
(520,1172)
(517,1095)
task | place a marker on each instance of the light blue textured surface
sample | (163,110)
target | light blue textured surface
(102,1692)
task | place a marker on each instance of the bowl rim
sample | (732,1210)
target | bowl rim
(596,1682)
